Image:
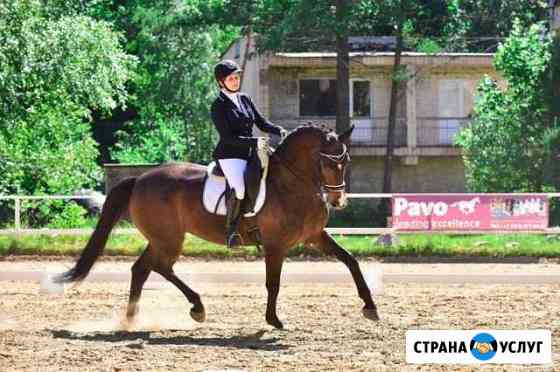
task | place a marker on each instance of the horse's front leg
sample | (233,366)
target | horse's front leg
(328,245)
(274,260)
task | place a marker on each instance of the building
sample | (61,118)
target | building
(436,100)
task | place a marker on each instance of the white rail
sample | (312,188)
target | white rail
(18,230)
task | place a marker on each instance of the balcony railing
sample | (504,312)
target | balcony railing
(437,131)
(367,131)
(373,131)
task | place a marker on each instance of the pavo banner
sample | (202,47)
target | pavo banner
(470,212)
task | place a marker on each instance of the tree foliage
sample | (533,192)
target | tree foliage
(509,140)
(53,73)
(173,90)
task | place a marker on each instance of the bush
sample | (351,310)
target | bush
(53,214)
(359,213)
(70,216)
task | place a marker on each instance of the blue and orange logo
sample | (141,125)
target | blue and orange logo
(483,346)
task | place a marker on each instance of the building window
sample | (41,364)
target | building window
(360,111)
(317,97)
(451,109)
(361,106)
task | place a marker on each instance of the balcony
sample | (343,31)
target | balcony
(372,132)
(437,131)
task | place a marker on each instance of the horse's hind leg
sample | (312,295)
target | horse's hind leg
(165,269)
(140,272)
(197,311)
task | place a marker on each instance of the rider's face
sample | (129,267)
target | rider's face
(232,81)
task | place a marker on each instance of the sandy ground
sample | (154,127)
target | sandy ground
(83,330)
(197,265)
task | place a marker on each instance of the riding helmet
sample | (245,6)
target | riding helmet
(225,68)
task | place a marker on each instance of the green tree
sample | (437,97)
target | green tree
(177,45)
(509,140)
(53,73)
(488,19)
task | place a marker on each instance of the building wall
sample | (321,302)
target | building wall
(431,174)
(428,89)
(284,90)
(283,98)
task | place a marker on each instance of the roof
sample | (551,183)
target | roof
(328,59)
(312,59)
(382,54)
(231,44)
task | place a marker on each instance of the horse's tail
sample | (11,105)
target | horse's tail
(115,205)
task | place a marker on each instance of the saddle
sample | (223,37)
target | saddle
(216,187)
(215,170)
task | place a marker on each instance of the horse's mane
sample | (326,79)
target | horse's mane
(309,128)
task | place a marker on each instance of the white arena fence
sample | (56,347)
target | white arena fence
(19,230)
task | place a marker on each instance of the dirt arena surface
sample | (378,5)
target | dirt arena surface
(201,265)
(83,330)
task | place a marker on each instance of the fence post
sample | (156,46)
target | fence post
(18,215)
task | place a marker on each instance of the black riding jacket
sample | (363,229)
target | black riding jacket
(236,126)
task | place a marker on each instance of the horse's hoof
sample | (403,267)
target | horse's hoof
(370,314)
(276,323)
(199,316)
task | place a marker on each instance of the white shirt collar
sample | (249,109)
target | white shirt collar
(234,97)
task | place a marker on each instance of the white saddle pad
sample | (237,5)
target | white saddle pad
(213,189)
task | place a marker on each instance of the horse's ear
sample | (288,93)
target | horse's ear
(344,137)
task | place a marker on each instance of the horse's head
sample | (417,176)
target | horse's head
(334,157)
(322,156)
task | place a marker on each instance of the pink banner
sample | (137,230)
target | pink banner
(456,212)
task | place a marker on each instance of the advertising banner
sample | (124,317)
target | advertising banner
(468,212)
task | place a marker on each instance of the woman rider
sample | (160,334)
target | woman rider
(234,114)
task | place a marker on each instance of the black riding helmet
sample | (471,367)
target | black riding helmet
(225,68)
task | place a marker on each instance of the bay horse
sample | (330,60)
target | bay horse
(166,202)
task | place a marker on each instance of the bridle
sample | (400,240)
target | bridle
(322,186)
(338,159)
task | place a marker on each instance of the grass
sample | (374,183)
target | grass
(363,246)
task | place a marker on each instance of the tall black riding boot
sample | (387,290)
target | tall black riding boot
(232,220)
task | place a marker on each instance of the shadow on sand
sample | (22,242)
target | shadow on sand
(253,341)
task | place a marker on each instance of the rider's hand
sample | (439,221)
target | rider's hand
(283,134)
(263,144)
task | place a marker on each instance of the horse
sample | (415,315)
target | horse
(165,204)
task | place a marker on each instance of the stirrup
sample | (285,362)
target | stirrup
(234,240)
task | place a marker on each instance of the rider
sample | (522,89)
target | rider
(234,114)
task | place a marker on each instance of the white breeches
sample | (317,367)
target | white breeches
(234,170)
